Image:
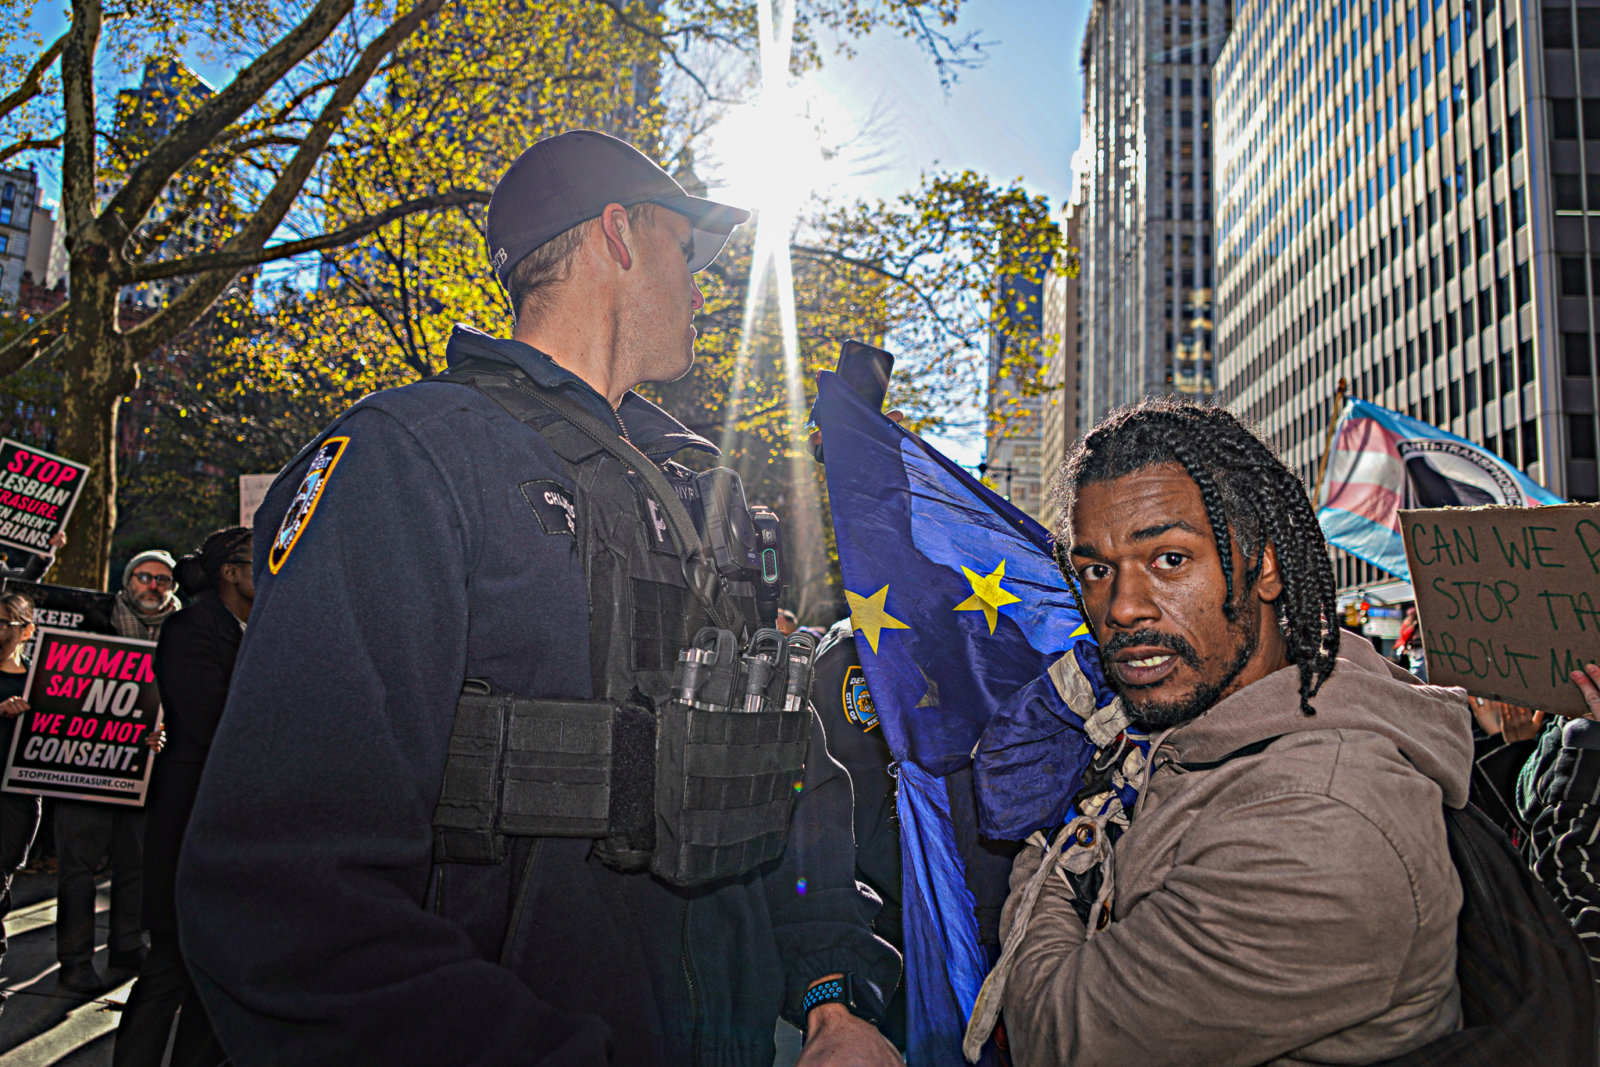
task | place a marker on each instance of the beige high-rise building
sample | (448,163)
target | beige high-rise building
(1146,283)
(19,192)
(1015,404)
(1061,421)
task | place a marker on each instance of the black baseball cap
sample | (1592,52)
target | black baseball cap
(570,178)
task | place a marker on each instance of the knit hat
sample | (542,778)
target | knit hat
(147,556)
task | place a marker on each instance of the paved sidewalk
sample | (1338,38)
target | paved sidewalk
(41,1025)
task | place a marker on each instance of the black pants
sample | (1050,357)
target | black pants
(19,820)
(85,834)
(163,987)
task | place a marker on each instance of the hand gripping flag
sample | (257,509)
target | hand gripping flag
(959,611)
(1382,461)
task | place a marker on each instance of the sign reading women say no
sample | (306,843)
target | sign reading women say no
(92,708)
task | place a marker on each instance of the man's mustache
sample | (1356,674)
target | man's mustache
(1149,639)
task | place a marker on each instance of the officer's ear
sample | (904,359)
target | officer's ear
(618,234)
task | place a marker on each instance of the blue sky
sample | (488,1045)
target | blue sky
(1015,116)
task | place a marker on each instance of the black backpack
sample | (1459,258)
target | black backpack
(1528,997)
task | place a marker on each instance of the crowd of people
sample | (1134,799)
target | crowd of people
(421,814)
(196,636)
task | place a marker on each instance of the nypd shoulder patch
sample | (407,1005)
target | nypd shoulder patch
(858,701)
(305,501)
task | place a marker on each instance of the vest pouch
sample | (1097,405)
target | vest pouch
(725,788)
(534,768)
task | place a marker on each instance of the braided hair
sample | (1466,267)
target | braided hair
(1249,496)
(199,570)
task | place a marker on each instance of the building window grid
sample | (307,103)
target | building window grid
(1239,237)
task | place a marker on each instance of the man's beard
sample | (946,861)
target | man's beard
(150,603)
(1155,715)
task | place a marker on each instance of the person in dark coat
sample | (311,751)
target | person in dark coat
(193,665)
(29,566)
(19,812)
(330,906)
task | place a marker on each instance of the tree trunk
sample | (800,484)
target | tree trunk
(96,374)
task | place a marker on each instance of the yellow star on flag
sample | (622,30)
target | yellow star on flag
(987,595)
(867,614)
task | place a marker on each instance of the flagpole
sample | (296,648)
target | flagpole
(1327,445)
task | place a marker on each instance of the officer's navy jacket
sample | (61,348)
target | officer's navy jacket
(316,925)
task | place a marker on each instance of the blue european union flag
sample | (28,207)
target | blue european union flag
(959,611)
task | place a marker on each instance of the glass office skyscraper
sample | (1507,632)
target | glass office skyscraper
(1409,198)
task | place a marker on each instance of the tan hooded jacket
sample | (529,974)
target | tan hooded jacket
(1293,906)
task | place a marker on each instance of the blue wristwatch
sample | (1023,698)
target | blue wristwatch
(858,997)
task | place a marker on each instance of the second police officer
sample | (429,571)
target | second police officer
(430,830)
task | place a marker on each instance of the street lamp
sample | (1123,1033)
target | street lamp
(1007,469)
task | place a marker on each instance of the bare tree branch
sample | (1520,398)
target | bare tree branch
(664,39)
(239,260)
(33,82)
(191,136)
(33,342)
(192,302)
(823,255)
(35,144)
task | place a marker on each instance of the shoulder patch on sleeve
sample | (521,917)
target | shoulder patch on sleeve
(305,501)
(857,701)
(552,503)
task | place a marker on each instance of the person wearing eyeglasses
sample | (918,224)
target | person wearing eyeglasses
(194,666)
(148,597)
(86,832)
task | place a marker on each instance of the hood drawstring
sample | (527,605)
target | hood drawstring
(1090,834)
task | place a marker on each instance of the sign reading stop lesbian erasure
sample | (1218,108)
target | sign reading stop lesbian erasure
(37,491)
(92,706)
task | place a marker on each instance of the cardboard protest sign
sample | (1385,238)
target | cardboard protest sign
(64,607)
(37,491)
(252,491)
(1509,599)
(92,705)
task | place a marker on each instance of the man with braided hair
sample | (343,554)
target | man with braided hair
(1284,892)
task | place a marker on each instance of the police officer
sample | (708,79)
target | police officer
(849,719)
(355,886)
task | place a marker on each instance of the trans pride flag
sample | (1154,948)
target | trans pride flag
(1382,461)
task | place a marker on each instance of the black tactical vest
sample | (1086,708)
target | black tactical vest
(588,768)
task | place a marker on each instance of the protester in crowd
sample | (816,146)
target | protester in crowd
(1558,799)
(1503,737)
(845,708)
(193,666)
(786,622)
(148,596)
(1408,650)
(1284,891)
(86,832)
(19,812)
(32,566)
(486,527)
